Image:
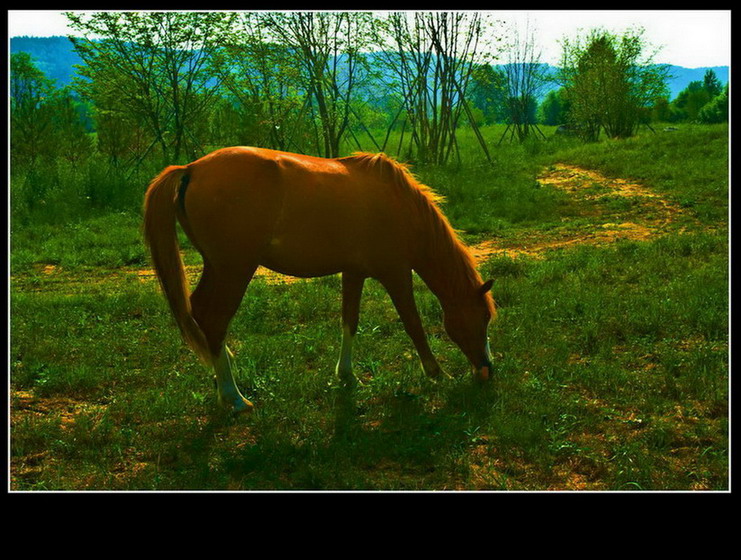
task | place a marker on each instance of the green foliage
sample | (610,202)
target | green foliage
(521,110)
(690,104)
(488,92)
(690,100)
(45,122)
(610,81)
(711,83)
(554,109)
(716,110)
(31,112)
(150,70)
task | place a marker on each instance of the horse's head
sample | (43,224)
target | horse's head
(466,322)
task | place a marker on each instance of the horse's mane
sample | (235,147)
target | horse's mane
(440,237)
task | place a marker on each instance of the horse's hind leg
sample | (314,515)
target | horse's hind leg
(352,287)
(214,302)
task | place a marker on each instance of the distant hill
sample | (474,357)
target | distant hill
(683,76)
(53,55)
(56,58)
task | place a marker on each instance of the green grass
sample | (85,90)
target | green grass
(697,181)
(611,362)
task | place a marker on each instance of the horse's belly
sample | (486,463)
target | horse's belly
(317,243)
(306,257)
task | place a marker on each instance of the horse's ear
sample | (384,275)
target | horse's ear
(485,287)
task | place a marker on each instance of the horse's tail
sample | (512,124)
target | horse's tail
(160,219)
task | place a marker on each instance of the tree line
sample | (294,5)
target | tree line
(168,86)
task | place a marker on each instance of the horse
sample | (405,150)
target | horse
(364,216)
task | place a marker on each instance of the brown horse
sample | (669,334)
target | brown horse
(364,216)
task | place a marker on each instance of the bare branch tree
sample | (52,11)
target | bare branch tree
(153,66)
(526,78)
(431,56)
(326,48)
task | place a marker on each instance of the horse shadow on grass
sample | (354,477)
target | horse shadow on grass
(394,442)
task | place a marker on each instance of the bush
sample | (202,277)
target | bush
(716,111)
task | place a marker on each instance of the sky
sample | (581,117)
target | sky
(690,38)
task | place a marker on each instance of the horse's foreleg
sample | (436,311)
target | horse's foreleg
(352,287)
(214,302)
(399,288)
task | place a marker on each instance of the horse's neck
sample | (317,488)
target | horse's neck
(447,271)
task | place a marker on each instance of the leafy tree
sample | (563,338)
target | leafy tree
(526,78)
(487,92)
(45,121)
(715,111)
(151,69)
(71,139)
(431,58)
(610,80)
(554,109)
(323,50)
(661,110)
(522,111)
(712,83)
(691,100)
(30,109)
(264,86)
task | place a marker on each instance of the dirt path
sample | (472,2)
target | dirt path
(649,215)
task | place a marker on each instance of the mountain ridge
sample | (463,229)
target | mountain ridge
(56,58)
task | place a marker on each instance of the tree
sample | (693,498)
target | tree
(610,82)
(324,49)
(70,137)
(45,121)
(712,83)
(266,102)
(30,110)
(152,69)
(431,57)
(526,77)
(488,92)
(715,111)
(554,109)
(661,111)
(691,99)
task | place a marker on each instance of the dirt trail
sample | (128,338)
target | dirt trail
(649,217)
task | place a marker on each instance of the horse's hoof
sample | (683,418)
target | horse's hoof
(482,375)
(238,407)
(348,381)
(243,407)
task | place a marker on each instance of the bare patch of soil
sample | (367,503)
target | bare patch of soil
(651,218)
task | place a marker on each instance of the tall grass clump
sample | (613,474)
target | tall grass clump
(59,191)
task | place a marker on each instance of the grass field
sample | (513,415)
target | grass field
(611,275)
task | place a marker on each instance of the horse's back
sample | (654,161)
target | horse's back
(304,215)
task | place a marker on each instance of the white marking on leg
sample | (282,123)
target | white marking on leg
(227,390)
(487,349)
(344,364)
